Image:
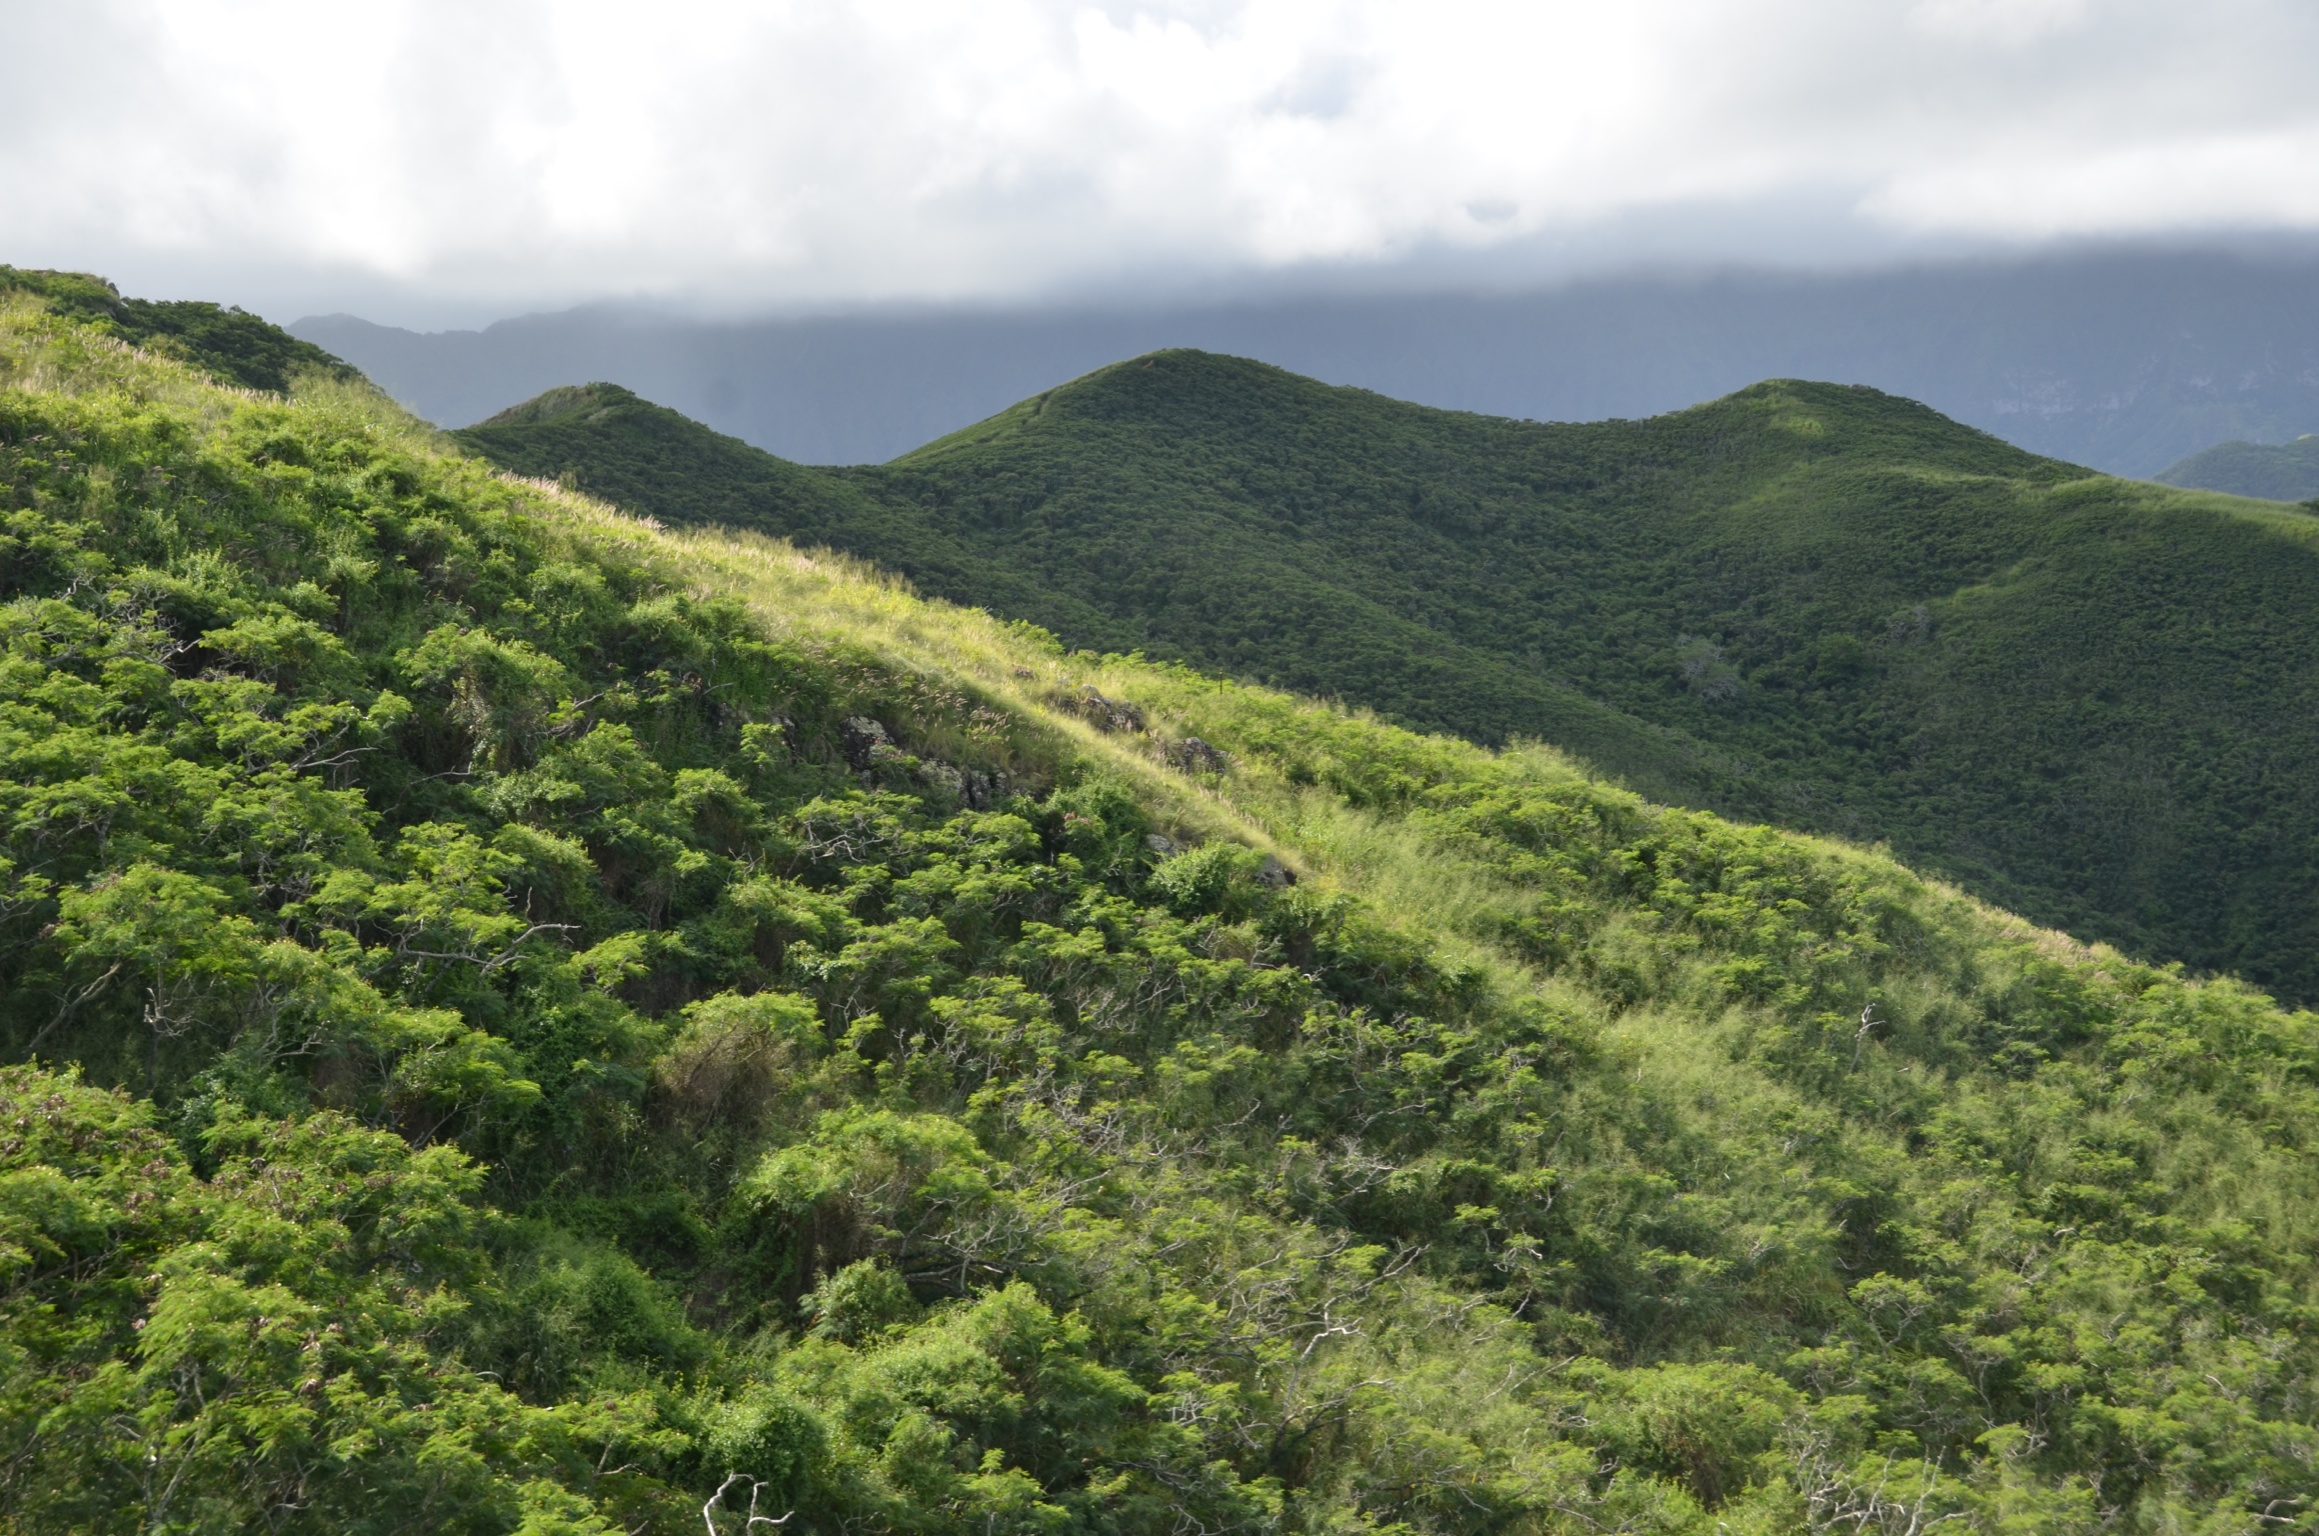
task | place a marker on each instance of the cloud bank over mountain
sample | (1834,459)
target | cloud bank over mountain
(2124,360)
(458,159)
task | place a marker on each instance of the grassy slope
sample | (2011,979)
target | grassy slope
(1699,1177)
(2281,472)
(233,345)
(2083,697)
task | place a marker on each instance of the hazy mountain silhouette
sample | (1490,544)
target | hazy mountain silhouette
(2126,361)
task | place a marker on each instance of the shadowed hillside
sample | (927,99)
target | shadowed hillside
(2089,698)
(2281,472)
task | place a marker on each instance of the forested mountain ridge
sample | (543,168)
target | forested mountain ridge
(523,1022)
(2086,698)
(2276,471)
(2123,360)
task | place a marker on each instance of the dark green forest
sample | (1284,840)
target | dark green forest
(2274,471)
(2087,699)
(516,1022)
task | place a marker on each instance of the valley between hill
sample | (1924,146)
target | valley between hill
(524,1021)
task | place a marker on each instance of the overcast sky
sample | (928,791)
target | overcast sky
(443,162)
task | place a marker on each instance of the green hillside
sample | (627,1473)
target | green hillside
(2092,700)
(2276,472)
(523,1022)
(233,345)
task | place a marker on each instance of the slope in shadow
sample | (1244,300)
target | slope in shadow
(2080,696)
(2273,471)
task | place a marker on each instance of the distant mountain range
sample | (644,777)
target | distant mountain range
(2125,361)
(2090,699)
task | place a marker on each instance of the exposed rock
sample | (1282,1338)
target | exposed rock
(1274,874)
(1107,714)
(974,788)
(858,737)
(1162,847)
(1192,755)
(981,790)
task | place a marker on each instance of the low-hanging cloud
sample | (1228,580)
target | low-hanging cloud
(813,151)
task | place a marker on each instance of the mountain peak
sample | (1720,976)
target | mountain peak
(564,401)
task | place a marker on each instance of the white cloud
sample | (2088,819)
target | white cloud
(809,150)
(2046,190)
(2004,22)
